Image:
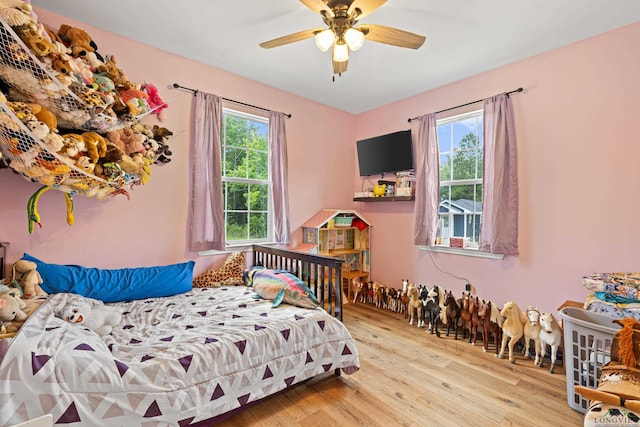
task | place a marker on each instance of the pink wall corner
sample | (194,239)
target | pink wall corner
(150,229)
(579,187)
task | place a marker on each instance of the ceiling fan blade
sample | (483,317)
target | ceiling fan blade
(340,67)
(366,6)
(392,36)
(317,6)
(291,38)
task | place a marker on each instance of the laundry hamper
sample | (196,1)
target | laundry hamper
(587,347)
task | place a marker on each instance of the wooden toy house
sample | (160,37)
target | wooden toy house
(342,233)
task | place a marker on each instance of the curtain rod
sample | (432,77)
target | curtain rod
(468,103)
(177,86)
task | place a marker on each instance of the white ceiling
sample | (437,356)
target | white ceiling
(464,38)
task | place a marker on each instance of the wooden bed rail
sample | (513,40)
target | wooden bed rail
(321,273)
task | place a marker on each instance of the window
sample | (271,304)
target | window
(245,178)
(460,207)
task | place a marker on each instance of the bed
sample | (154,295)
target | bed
(192,359)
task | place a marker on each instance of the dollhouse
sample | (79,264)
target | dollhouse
(342,233)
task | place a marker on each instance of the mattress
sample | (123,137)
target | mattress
(171,361)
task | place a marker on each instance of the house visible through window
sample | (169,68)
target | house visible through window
(245,178)
(460,208)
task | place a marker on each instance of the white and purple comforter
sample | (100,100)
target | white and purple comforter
(171,361)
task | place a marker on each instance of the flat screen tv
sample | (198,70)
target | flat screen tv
(388,153)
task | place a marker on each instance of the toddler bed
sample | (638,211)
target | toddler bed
(190,359)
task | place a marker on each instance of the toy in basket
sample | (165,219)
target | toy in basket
(343,221)
(587,346)
(619,383)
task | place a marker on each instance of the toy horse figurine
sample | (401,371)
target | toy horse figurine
(476,320)
(465,315)
(550,334)
(413,307)
(452,311)
(512,328)
(431,308)
(404,298)
(491,325)
(391,299)
(532,332)
(356,287)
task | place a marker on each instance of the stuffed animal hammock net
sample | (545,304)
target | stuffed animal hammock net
(30,156)
(34,151)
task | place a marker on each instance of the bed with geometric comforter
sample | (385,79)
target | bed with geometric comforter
(183,360)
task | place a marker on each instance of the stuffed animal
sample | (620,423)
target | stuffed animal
(74,144)
(78,40)
(156,103)
(163,153)
(111,70)
(38,129)
(14,291)
(99,318)
(37,43)
(96,145)
(16,12)
(45,115)
(127,140)
(10,310)
(84,163)
(30,280)
(54,141)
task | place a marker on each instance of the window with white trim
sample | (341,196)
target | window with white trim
(245,178)
(460,207)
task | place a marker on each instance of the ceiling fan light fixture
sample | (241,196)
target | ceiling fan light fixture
(324,39)
(340,52)
(354,38)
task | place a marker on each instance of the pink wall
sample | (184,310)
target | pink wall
(150,228)
(576,127)
(578,159)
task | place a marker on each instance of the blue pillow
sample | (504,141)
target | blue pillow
(124,284)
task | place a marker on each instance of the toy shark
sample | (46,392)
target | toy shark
(280,286)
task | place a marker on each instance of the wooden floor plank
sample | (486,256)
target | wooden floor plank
(409,377)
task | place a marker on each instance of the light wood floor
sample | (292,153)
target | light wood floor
(411,378)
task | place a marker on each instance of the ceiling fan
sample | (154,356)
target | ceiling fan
(342,35)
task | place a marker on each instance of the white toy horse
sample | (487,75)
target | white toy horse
(356,287)
(512,328)
(550,334)
(414,306)
(532,332)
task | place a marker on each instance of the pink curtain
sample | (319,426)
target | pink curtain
(427,170)
(206,217)
(499,231)
(279,178)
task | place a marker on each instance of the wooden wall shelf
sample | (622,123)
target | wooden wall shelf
(384,199)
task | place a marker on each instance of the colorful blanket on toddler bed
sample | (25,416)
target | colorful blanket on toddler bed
(171,361)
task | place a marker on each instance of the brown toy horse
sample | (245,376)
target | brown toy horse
(465,315)
(452,311)
(476,320)
(491,320)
